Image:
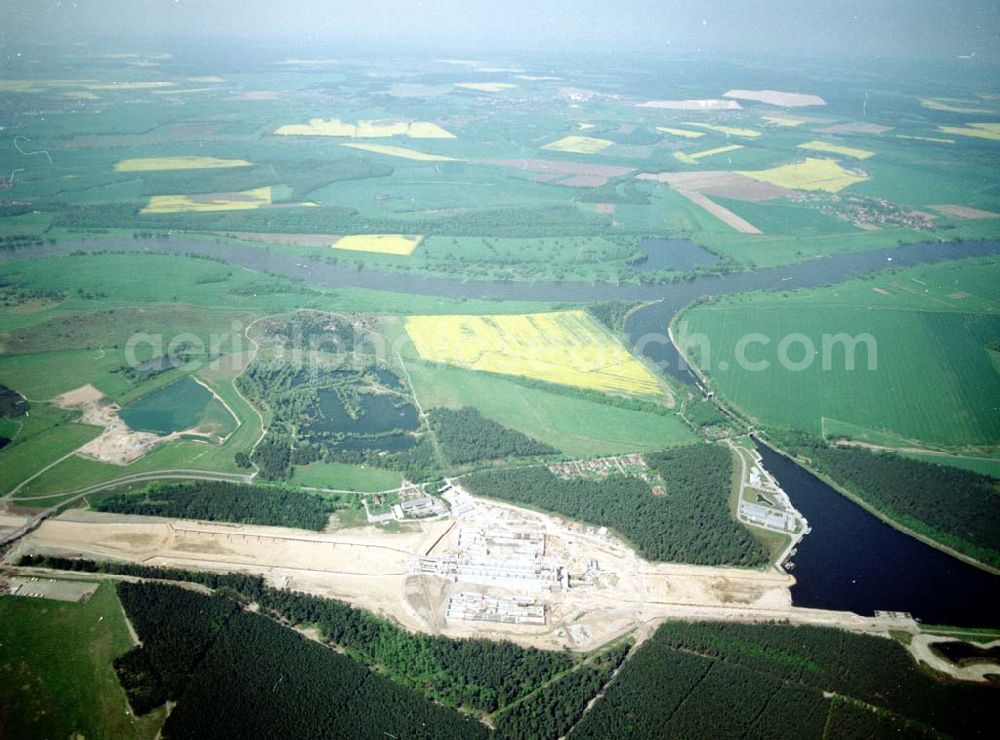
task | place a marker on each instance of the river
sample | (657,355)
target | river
(851,560)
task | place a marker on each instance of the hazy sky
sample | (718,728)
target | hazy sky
(888,28)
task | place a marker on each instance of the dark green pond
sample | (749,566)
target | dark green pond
(173,408)
(379,414)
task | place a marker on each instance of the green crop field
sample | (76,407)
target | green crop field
(345,477)
(934,382)
(56,673)
(577,427)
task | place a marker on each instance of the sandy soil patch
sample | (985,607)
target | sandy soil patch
(711,104)
(613,592)
(776,97)
(920,648)
(117,444)
(737,223)
(965,212)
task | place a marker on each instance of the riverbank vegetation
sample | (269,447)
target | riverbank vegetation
(958,508)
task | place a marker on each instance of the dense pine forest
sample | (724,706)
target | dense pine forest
(553,710)
(690,679)
(227,502)
(778,681)
(238,674)
(690,524)
(482,675)
(479,674)
(466,436)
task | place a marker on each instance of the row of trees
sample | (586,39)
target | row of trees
(248,587)
(957,507)
(226,502)
(483,675)
(479,674)
(553,710)
(611,313)
(690,524)
(238,674)
(466,436)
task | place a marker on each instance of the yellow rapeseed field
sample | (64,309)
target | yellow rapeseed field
(926,138)
(812,174)
(693,157)
(243,200)
(745,133)
(564,347)
(149,164)
(398,151)
(579,144)
(680,132)
(783,121)
(486,86)
(847,151)
(989,131)
(365,129)
(948,105)
(400,244)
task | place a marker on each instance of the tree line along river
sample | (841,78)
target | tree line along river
(851,560)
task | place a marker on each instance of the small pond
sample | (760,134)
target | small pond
(679,255)
(181,405)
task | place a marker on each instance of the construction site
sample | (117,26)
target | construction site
(488,568)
